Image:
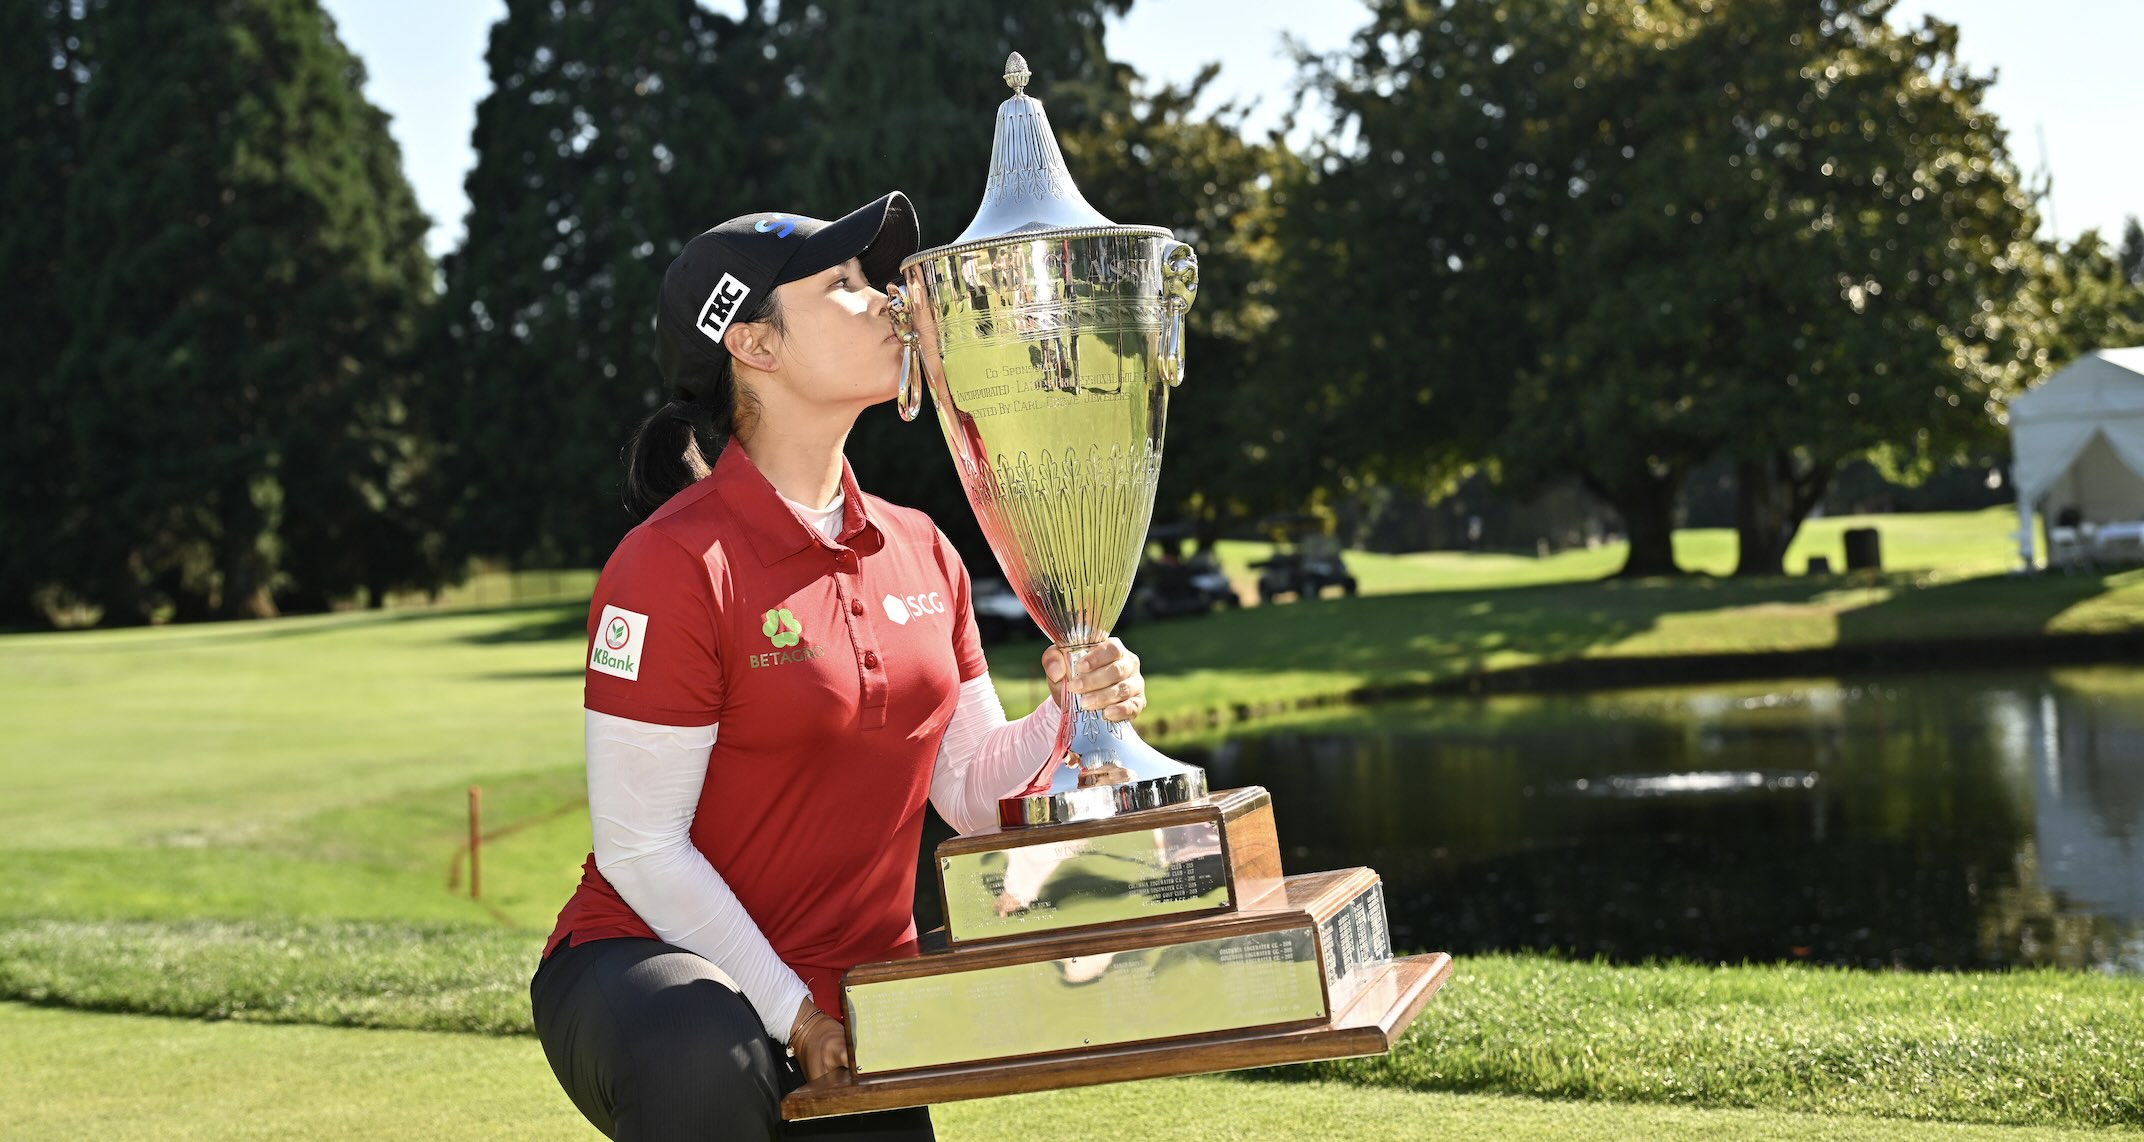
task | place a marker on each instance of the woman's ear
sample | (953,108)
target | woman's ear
(751,343)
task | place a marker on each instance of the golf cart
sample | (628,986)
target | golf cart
(1169,582)
(1304,562)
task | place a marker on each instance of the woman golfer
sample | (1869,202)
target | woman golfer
(781,670)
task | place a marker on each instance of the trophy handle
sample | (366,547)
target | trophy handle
(1179,288)
(908,401)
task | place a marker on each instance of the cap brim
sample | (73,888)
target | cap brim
(881,236)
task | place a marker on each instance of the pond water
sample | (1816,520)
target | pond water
(1927,821)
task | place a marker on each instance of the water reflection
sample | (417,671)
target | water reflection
(1934,821)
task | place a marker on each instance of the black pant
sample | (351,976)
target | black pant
(651,1044)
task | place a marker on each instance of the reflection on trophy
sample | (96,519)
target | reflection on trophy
(1050,337)
(1122,922)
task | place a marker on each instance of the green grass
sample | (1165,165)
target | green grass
(261,823)
(123,1078)
(224,732)
(2025,1048)
(1958,543)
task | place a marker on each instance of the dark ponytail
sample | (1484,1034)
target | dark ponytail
(677,444)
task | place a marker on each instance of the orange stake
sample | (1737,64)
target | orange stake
(476,839)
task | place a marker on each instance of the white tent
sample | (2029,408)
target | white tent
(2077,442)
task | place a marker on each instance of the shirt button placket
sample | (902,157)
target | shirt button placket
(873,695)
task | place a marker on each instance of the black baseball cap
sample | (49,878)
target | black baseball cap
(724,271)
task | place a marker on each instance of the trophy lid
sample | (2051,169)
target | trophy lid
(1029,188)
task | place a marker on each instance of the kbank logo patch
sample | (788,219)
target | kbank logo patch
(615,650)
(781,628)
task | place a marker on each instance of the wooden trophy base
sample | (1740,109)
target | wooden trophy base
(1369,1025)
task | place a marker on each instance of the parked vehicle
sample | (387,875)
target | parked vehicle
(998,613)
(1170,583)
(1305,561)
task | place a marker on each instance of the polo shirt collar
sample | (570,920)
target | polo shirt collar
(774,529)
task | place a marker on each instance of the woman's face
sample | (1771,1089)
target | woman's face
(838,347)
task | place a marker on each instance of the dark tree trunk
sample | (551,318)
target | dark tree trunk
(244,568)
(1647,504)
(1773,495)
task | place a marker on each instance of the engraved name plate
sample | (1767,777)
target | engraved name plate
(1140,874)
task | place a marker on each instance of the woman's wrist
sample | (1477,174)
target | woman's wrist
(806,1013)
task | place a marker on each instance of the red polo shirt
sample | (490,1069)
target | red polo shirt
(832,669)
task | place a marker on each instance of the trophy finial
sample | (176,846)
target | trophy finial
(1029,187)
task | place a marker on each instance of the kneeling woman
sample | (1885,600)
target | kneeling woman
(782,668)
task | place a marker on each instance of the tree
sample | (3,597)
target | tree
(2131,259)
(1882,226)
(1775,227)
(1404,264)
(41,71)
(2077,298)
(610,137)
(242,258)
(1791,218)
(1160,163)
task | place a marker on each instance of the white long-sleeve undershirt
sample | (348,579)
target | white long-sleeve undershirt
(644,785)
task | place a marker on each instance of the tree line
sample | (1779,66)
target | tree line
(1539,239)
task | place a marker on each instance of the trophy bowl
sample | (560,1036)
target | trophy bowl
(1050,339)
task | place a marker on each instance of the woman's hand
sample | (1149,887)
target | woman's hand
(818,1042)
(1108,680)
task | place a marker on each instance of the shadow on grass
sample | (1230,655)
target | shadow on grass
(546,622)
(1449,633)
(1991,606)
(1566,635)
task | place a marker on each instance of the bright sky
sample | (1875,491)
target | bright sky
(2068,71)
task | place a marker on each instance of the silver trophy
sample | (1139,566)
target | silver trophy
(1050,338)
(1169,942)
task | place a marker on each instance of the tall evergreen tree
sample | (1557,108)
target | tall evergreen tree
(612,134)
(41,71)
(243,257)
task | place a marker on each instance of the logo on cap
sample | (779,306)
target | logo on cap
(722,306)
(785,221)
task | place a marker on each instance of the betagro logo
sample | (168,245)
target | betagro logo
(784,631)
(781,627)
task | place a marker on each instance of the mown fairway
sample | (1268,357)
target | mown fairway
(259,823)
(186,1080)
